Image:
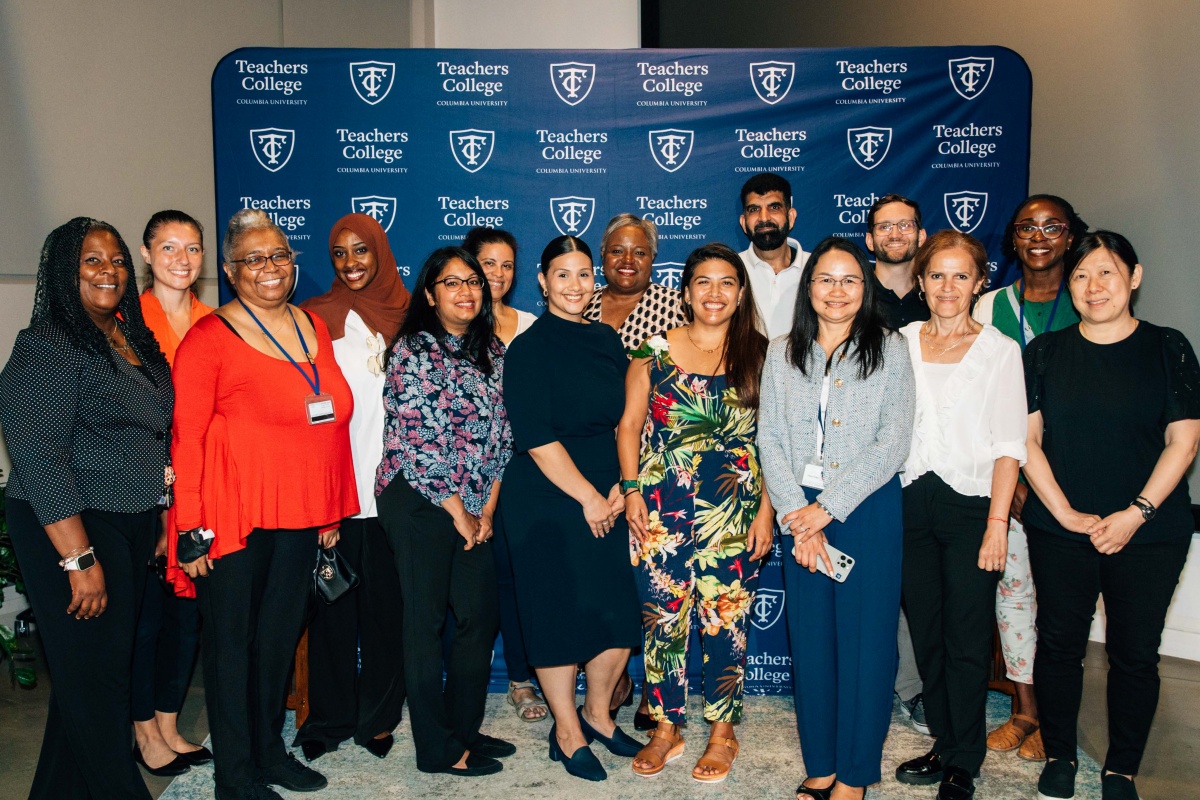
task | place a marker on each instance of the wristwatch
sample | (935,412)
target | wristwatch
(629,485)
(1145,506)
(84,561)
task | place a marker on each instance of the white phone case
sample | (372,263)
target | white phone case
(842,564)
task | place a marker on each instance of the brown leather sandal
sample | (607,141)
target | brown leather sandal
(1009,736)
(722,768)
(658,760)
(1032,749)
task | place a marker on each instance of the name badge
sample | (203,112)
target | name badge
(319,408)
(813,477)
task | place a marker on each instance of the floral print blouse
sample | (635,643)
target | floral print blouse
(446,431)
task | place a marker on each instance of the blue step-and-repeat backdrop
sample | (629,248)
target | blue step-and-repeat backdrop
(544,142)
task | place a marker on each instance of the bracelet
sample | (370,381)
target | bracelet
(77,551)
(997,519)
(631,491)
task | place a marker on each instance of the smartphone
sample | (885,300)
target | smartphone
(842,564)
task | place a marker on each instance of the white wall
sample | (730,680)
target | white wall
(537,24)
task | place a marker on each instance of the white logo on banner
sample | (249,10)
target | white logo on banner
(772,80)
(668,273)
(372,80)
(768,608)
(572,215)
(971,75)
(472,148)
(272,147)
(869,145)
(381,209)
(965,210)
(671,147)
(572,81)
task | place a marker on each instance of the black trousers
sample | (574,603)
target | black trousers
(1137,583)
(254,603)
(951,604)
(164,649)
(86,749)
(436,575)
(345,701)
(515,660)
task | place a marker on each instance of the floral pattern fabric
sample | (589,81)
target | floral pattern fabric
(446,431)
(1016,608)
(702,485)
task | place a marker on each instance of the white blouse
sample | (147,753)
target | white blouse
(524,320)
(978,414)
(360,354)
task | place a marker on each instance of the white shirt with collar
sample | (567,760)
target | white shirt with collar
(775,293)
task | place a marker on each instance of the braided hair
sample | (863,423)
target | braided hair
(57,302)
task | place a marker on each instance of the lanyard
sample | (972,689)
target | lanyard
(315,382)
(822,408)
(1027,330)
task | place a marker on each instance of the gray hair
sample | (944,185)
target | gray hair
(242,223)
(625,220)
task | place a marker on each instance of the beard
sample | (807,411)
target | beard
(767,238)
(909,253)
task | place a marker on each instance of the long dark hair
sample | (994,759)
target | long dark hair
(166,217)
(745,346)
(1076,227)
(422,317)
(867,332)
(56,301)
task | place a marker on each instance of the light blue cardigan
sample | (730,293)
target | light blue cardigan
(867,435)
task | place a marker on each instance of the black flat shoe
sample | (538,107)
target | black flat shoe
(921,771)
(477,766)
(816,794)
(313,749)
(957,784)
(177,765)
(492,747)
(628,701)
(582,763)
(380,747)
(619,744)
(197,757)
(643,721)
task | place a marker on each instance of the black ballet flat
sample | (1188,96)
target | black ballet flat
(313,749)
(815,794)
(380,747)
(177,766)
(643,721)
(197,758)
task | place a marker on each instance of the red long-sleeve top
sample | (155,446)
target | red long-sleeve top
(242,448)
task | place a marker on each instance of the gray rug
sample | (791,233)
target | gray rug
(769,765)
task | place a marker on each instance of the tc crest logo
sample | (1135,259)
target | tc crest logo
(768,608)
(965,210)
(380,209)
(472,148)
(772,80)
(869,145)
(372,80)
(572,81)
(671,147)
(272,147)
(970,76)
(668,273)
(572,215)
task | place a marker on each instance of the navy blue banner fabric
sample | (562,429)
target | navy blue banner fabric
(545,142)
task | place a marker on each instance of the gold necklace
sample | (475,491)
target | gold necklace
(948,348)
(688,332)
(120,348)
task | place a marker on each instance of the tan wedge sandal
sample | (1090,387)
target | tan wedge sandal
(722,768)
(651,754)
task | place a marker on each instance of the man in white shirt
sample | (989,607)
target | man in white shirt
(773,261)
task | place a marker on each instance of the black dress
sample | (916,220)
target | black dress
(565,382)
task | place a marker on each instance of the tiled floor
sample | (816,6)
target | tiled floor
(1171,768)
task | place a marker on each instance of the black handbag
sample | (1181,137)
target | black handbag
(333,576)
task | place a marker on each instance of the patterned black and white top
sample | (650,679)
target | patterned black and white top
(660,309)
(81,434)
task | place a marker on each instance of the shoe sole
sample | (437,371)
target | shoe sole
(925,780)
(661,767)
(1054,797)
(924,729)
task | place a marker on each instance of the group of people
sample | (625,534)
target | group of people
(594,482)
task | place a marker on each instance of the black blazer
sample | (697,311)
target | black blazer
(81,434)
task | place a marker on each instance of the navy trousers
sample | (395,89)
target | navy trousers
(843,642)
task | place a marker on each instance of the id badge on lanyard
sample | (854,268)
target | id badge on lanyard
(814,472)
(319,408)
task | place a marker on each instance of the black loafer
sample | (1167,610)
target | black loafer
(492,747)
(477,766)
(294,776)
(921,771)
(176,766)
(197,757)
(957,784)
(380,747)
(1117,787)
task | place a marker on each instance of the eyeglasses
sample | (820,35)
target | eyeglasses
(848,282)
(1025,230)
(454,283)
(904,226)
(255,263)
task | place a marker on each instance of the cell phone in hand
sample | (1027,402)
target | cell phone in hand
(842,564)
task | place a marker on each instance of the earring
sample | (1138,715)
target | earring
(921,294)
(545,293)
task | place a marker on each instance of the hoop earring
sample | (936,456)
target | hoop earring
(545,293)
(921,295)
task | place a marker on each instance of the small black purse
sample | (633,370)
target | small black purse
(333,576)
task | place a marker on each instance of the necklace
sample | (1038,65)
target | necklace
(948,348)
(123,349)
(688,332)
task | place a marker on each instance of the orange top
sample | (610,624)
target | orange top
(244,452)
(160,326)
